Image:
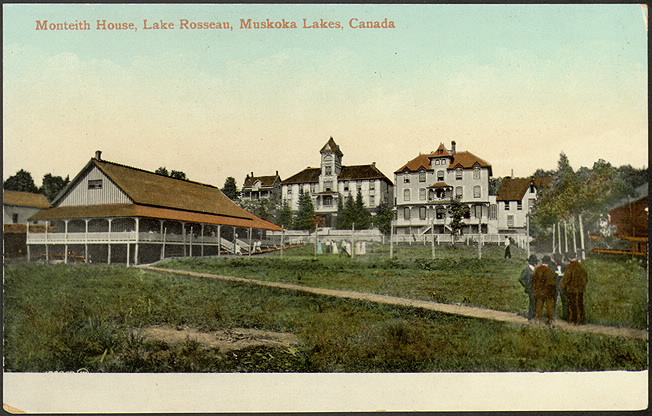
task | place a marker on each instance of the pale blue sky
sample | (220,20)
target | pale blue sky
(514,84)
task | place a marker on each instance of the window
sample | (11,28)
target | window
(467,212)
(422,194)
(440,213)
(328,186)
(458,192)
(440,175)
(506,205)
(346,187)
(476,172)
(510,220)
(406,213)
(493,212)
(532,189)
(372,185)
(328,170)
(422,213)
(476,191)
(372,201)
(422,176)
(328,200)
(14,218)
(290,190)
(406,178)
(477,211)
(406,195)
(313,186)
(95,184)
(458,174)
(519,205)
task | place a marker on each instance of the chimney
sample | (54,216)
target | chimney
(276,173)
(453,147)
(98,154)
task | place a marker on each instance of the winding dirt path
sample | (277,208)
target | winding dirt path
(462,310)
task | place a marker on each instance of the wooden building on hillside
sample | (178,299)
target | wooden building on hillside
(631,222)
(115,213)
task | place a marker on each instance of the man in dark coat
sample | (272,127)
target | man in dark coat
(575,279)
(543,286)
(526,281)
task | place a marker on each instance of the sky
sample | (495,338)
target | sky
(515,85)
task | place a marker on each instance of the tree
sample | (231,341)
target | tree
(265,208)
(22,181)
(383,218)
(284,216)
(494,184)
(456,212)
(361,217)
(177,174)
(52,185)
(304,218)
(230,189)
(346,218)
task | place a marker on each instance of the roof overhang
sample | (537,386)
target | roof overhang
(142,211)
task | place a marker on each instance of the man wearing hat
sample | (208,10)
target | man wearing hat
(543,286)
(526,281)
(575,279)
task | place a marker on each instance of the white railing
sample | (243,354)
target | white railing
(519,239)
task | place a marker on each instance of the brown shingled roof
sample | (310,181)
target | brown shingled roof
(513,189)
(308,175)
(25,199)
(267,181)
(467,160)
(440,185)
(358,172)
(148,188)
(421,161)
(134,210)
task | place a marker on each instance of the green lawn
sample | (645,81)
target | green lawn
(616,294)
(67,317)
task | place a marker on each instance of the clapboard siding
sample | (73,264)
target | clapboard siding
(108,194)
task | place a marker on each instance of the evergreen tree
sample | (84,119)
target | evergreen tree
(284,216)
(177,174)
(162,171)
(361,217)
(340,214)
(383,218)
(346,218)
(230,189)
(303,220)
(52,185)
(22,181)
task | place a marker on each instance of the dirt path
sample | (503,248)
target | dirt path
(462,310)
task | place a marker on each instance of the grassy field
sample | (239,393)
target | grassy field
(71,317)
(616,294)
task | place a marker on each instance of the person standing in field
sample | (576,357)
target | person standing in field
(575,279)
(526,281)
(508,253)
(543,286)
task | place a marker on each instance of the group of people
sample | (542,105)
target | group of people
(557,285)
(345,248)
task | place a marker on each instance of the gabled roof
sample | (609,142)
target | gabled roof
(513,189)
(157,196)
(265,181)
(331,146)
(467,160)
(308,175)
(441,151)
(361,172)
(414,165)
(440,185)
(24,199)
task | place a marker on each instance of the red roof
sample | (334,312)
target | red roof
(265,181)
(467,160)
(440,185)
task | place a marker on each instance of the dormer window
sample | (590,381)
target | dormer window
(476,172)
(422,176)
(458,173)
(95,184)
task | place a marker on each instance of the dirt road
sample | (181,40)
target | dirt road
(461,310)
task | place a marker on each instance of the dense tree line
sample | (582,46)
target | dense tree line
(22,181)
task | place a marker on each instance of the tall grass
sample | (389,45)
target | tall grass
(72,317)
